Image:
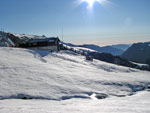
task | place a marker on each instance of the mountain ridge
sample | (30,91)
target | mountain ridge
(138,52)
(112,49)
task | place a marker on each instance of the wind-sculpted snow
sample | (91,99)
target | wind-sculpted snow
(35,74)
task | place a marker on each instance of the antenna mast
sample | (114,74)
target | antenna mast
(62,34)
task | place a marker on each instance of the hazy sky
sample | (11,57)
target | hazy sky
(106,22)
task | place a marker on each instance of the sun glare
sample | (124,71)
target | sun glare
(91,2)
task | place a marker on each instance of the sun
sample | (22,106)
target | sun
(90,2)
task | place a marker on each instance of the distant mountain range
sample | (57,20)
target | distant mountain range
(113,49)
(123,47)
(138,52)
(105,49)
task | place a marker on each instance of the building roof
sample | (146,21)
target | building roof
(18,39)
(53,39)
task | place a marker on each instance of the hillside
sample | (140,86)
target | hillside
(114,49)
(104,49)
(54,81)
(138,52)
(123,47)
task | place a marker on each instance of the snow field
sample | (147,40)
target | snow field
(65,81)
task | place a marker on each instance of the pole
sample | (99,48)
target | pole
(62,34)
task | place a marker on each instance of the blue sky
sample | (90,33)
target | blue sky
(110,22)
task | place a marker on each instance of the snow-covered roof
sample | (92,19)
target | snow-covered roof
(43,40)
(23,38)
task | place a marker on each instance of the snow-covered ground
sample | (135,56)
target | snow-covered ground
(62,82)
(84,49)
(138,103)
(78,49)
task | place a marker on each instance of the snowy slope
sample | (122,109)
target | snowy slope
(64,77)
